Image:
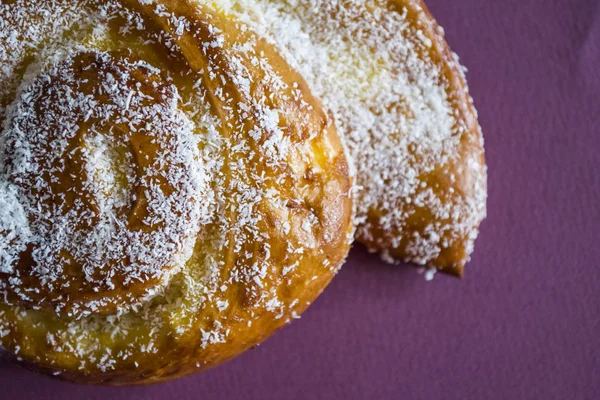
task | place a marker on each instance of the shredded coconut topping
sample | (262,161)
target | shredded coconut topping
(67,136)
(370,62)
(166,184)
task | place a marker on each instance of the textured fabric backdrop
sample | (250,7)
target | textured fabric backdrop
(525,322)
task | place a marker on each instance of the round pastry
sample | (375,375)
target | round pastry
(170,191)
(401,101)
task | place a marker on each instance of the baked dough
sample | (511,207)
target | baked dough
(170,191)
(401,102)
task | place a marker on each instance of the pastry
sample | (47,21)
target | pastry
(400,99)
(170,191)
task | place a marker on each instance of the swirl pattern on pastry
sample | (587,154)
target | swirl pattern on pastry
(112,181)
(170,191)
(401,102)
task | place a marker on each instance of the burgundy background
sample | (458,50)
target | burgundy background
(525,322)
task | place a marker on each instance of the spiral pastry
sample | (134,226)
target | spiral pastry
(400,100)
(170,191)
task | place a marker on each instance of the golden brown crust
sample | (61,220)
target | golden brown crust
(112,286)
(459,175)
(274,193)
(402,105)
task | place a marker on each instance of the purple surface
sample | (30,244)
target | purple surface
(525,323)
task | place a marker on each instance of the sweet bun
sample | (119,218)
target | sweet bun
(171,193)
(402,104)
